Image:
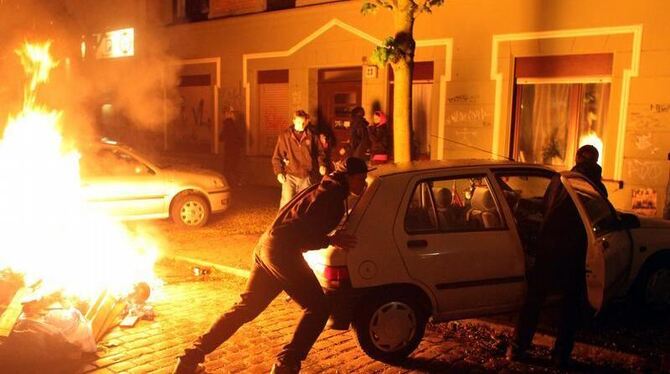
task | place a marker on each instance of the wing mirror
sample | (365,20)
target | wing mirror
(629,221)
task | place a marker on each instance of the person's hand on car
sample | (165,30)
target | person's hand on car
(281,178)
(322,170)
(343,240)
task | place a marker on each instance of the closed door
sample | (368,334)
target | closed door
(454,239)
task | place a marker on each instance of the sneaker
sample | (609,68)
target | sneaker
(186,367)
(280,368)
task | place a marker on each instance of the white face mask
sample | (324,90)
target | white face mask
(298,124)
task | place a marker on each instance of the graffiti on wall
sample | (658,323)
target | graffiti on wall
(192,130)
(644,201)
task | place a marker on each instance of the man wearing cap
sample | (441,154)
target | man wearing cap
(304,224)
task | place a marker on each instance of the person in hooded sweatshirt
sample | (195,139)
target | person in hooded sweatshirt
(360,141)
(379,138)
(586,163)
(560,265)
(304,224)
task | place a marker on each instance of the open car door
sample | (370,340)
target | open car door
(609,250)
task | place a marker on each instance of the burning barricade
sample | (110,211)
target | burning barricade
(68,272)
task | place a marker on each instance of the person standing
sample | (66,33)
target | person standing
(302,225)
(298,159)
(379,138)
(560,266)
(359,139)
(586,163)
(232,138)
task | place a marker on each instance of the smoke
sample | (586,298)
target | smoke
(128,98)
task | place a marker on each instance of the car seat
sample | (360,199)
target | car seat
(483,212)
(443,198)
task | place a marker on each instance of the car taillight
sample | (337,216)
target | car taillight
(336,276)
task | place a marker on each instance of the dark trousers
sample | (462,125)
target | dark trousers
(570,285)
(269,276)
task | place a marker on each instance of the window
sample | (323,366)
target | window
(280,4)
(454,204)
(558,108)
(524,193)
(112,162)
(601,214)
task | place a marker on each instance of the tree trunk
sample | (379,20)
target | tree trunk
(403,21)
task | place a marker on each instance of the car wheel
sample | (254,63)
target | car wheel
(190,210)
(653,285)
(390,327)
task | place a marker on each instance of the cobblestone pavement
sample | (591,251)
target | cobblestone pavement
(186,306)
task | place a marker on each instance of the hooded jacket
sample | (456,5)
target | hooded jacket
(305,222)
(593,172)
(298,156)
(360,141)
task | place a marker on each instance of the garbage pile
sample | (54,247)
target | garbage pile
(39,331)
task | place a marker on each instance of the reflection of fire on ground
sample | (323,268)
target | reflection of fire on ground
(61,248)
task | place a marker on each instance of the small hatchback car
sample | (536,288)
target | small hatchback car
(128,186)
(453,239)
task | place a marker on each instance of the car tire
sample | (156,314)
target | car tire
(390,326)
(652,288)
(190,210)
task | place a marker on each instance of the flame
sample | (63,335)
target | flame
(50,233)
(593,139)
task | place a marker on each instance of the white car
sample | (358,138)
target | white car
(128,186)
(450,240)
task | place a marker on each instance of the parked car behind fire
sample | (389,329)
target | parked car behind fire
(129,186)
(451,240)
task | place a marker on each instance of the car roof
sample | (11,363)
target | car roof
(427,165)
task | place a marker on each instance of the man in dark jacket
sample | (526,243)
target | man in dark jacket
(559,268)
(298,158)
(360,141)
(586,163)
(303,224)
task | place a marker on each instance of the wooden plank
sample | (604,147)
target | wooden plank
(12,313)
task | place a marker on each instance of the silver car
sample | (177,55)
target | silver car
(454,239)
(128,186)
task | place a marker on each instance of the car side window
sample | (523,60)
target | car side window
(602,216)
(112,162)
(420,216)
(524,193)
(453,205)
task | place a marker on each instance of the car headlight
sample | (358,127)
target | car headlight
(218,182)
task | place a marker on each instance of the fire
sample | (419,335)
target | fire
(50,234)
(593,139)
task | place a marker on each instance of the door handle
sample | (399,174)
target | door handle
(417,243)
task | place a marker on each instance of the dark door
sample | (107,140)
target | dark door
(339,93)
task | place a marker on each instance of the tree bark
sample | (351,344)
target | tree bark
(403,20)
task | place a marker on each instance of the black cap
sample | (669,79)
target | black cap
(353,165)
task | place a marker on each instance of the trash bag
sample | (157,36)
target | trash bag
(75,328)
(35,347)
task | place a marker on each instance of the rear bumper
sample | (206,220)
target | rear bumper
(219,200)
(343,303)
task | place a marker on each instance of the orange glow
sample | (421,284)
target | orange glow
(49,232)
(593,139)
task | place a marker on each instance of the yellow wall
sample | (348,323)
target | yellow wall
(471,100)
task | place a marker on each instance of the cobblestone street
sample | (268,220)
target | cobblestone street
(187,305)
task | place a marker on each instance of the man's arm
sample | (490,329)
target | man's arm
(278,156)
(310,229)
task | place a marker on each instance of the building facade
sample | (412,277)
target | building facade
(526,79)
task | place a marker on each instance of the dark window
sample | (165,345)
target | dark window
(280,4)
(196,10)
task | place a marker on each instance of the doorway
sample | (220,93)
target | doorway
(339,91)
